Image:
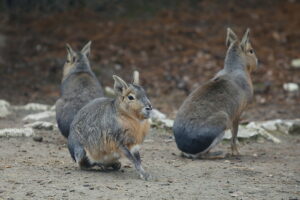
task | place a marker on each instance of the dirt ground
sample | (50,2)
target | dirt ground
(45,170)
(176,50)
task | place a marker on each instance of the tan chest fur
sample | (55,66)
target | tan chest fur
(136,130)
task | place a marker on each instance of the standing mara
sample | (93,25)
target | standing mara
(217,105)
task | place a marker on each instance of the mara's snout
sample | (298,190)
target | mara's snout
(146,111)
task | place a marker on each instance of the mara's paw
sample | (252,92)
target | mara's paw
(116,166)
(145,176)
(235,151)
(189,156)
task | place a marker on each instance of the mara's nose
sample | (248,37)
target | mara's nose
(149,107)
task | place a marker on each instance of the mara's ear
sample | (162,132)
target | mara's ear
(231,37)
(86,49)
(245,39)
(120,86)
(136,77)
(71,53)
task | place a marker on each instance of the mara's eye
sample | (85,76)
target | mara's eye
(130,97)
(251,51)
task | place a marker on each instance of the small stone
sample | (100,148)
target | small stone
(29,194)
(38,138)
(291,87)
(296,63)
(236,194)
(295,129)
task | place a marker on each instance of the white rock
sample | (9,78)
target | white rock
(41,125)
(251,130)
(16,132)
(243,133)
(271,125)
(53,107)
(296,63)
(167,122)
(269,136)
(262,131)
(291,87)
(33,107)
(160,119)
(156,114)
(4,108)
(39,116)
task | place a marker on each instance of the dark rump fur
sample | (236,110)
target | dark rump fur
(194,139)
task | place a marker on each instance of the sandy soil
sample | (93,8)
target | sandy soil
(175,50)
(45,170)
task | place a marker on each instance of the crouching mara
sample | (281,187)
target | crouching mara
(217,105)
(106,129)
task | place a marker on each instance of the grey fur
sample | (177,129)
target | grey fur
(79,86)
(97,127)
(217,105)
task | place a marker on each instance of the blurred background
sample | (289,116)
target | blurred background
(176,45)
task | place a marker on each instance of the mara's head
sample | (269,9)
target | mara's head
(131,98)
(241,49)
(77,59)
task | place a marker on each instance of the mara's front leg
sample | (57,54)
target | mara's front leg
(234,132)
(135,158)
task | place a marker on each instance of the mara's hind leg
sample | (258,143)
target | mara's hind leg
(81,158)
(213,155)
(115,166)
(234,132)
